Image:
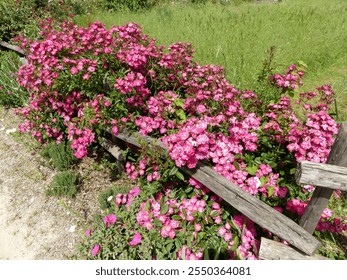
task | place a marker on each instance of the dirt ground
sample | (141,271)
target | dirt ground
(33,225)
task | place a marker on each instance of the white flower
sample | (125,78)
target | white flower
(257,182)
(110,198)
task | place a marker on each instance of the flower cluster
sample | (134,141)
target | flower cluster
(83,81)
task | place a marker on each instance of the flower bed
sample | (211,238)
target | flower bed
(85,80)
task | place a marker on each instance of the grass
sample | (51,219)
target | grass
(238,36)
(60,155)
(64,183)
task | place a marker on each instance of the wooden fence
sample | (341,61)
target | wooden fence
(327,178)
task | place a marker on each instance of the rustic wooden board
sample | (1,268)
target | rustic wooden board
(115,151)
(320,197)
(322,175)
(273,250)
(11,47)
(252,207)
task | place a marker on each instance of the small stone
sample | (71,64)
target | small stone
(72,229)
(8,131)
(110,198)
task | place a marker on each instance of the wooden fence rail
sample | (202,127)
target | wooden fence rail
(327,178)
(320,197)
(256,210)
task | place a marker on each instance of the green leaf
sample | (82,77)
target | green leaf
(270,190)
(188,190)
(236,243)
(252,169)
(157,222)
(147,206)
(301,63)
(179,103)
(215,214)
(184,212)
(173,171)
(164,209)
(179,175)
(206,254)
(292,171)
(176,218)
(181,114)
(263,180)
(237,166)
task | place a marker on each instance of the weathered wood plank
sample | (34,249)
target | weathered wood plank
(252,207)
(322,175)
(273,250)
(115,151)
(11,47)
(321,196)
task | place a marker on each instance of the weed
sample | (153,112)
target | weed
(64,183)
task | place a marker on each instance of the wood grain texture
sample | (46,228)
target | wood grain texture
(322,175)
(116,152)
(273,250)
(11,47)
(256,210)
(320,197)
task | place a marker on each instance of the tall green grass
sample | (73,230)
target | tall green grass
(238,36)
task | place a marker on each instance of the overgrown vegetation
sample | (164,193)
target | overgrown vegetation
(22,17)
(60,155)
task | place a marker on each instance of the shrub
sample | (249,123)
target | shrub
(17,17)
(252,138)
(60,154)
(23,17)
(64,183)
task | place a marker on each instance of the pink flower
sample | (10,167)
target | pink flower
(115,130)
(136,239)
(73,70)
(96,249)
(109,219)
(222,231)
(91,69)
(88,231)
(85,76)
(201,109)
(197,227)
(228,236)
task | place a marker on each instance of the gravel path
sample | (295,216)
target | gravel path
(32,226)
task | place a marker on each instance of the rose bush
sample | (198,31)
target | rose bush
(85,81)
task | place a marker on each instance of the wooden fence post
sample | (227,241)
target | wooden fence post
(321,196)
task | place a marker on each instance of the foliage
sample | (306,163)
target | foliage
(64,183)
(126,81)
(22,17)
(162,229)
(11,93)
(106,200)
(17,17)
(60,154)
(131,5)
